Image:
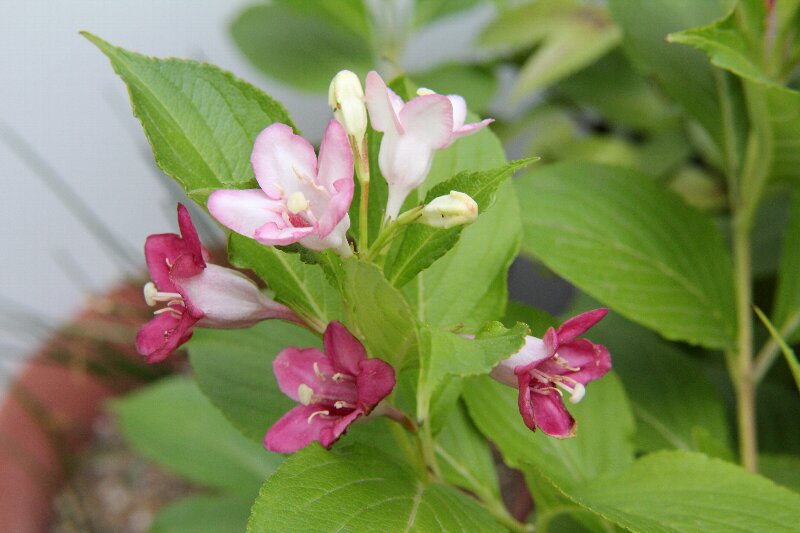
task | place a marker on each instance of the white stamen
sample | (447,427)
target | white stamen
(172,310)
(297,202)
(340,404)
(305,394)
(300,177)
(315,413)
(319,373)
(578,392)
(152,295)
(339,377)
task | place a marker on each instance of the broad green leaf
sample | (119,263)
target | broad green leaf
(788,353)
(604,432)
(681,491)
(301,44)
(786,315)
(633,246)
(418,246)
(670,394)
(359,489)
(446,293)
(428,11)
(173,424)
(201,121)
(536,319)
(464,456)
(778,409)
(234,369)
(448,354)
(379,315)
(782,469)
(301,286)
(524,26)
(477,84)
(204,514)
(645,25)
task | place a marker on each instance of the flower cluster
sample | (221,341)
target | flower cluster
(304,197)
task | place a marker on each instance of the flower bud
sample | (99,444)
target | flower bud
(346,97)
(451,210)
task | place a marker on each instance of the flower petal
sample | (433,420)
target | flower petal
(382,112)
(243,211)
(529,356)
(337,208)
(524,403)
(189,236)
(459,110)
(343,349)
(551,415)
(469,129)
(298,428)
(278,157)
(162,335)
(374,381)
(280,234)
(295,366)
(593,360)
(161,251)
(429,120)
(577,326)
(335,157)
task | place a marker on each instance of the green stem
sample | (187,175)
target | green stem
(770,351)
(428,449)
(744,371)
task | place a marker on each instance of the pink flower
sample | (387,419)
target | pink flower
(333,389)
(301,199)
(411,133)
(560,361)
(195,293)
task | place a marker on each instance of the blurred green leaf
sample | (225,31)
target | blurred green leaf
(173,424)
(787,295)
(788,353)
(634,246)
(682,491)
(428,11)
(205,514)
(305,43)
(234,369)
(782,469)
(360,489)
(536,319)
(475,83)
(201,121)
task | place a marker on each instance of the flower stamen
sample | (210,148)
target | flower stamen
(320,413)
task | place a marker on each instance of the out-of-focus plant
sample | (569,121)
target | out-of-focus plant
(668,131)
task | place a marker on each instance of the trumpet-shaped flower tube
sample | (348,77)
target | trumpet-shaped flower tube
(546,368)
(195,293)
(301,198)
(333,388)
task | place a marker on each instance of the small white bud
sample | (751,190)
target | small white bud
(346,97)
(451,210)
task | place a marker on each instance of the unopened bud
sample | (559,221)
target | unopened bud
(346,97)
(451,210)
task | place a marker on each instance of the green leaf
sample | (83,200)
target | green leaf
(173,424)
(201,121)
(634,246)
(782,469)
(604,432)
(682,491)
(449,354)
(669,392)
(418,246)
(301,286)
(379,315)
(536,319)
(645,25)
(204,514)
(234,369)
(475,83)
(432,10)
(446,294)
(359,489)
(787,297)
(788,353)
(301,43)
(464,456)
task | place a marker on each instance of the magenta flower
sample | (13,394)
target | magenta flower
(411,133)
(333,388)
(560,361)
(195,293)
(301,199)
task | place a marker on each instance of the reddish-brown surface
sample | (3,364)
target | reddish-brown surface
(48,412)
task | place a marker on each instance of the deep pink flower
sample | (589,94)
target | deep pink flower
(195,293)
(559,361)
(333,389)
(301,199)
(411,133)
